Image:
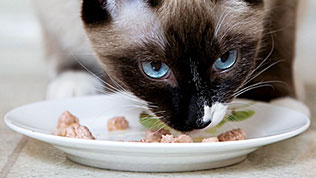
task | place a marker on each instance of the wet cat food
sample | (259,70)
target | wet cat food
(156,136)
(179,139)
(117,123)
(233,135)
(210,140)
(68,126)
(79,131)
(66,119)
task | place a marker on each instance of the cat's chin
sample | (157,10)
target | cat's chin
(72,84)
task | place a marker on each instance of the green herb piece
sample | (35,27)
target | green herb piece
(214,129)
(152,123)
(223,122)
(238,116)
(198,139)
(243,106)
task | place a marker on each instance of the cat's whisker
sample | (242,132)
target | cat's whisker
(160,112)
(147,120)
(94,75)
(237,103)
(266,58)
(154,124)
(250,86)
(161,127)
(109,86)
(136,106)
(239,106)
(256,87)
(263,82)
(151,105)
(242,107)
(261,72)
(276,31)
(117,84)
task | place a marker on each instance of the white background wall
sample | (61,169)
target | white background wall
(20,40)
(21,49)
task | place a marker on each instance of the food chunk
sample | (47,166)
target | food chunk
(233,135)
(66,119)
(179,139)
(117,123)
(183,139)
(79,131)
(210,140)
(167,139)
(156,136)
(68,126)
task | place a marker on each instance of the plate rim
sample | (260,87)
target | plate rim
(185,147)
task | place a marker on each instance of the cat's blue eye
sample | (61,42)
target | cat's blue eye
(155,69)
(227,60)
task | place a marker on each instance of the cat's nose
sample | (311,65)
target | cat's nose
(203,124)
(198,118)
(213,115)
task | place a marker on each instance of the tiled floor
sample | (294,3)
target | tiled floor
(15,92)
(23,80)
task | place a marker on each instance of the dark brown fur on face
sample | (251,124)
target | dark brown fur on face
(189,36)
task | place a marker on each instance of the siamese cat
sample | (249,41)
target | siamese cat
(186,59)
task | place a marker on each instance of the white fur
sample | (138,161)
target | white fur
(215,113)
(137,21)
(71,84)
(292,103)
(111,6)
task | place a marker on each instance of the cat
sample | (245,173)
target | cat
(186,59)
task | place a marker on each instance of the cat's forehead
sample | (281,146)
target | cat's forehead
(224,16)
(151,19)
(143,23)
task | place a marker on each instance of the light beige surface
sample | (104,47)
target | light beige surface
(23,80)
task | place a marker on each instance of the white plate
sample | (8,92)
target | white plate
(270,124)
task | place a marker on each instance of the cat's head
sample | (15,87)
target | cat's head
(186,58)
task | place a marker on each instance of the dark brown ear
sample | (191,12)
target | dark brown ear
(94,11)
(254,2)
(153,3)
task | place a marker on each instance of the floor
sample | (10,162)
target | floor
(23,80)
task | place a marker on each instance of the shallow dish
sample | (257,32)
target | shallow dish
(270,124)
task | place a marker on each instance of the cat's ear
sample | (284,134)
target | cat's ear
(95,11)
(255,2)
(99,11)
